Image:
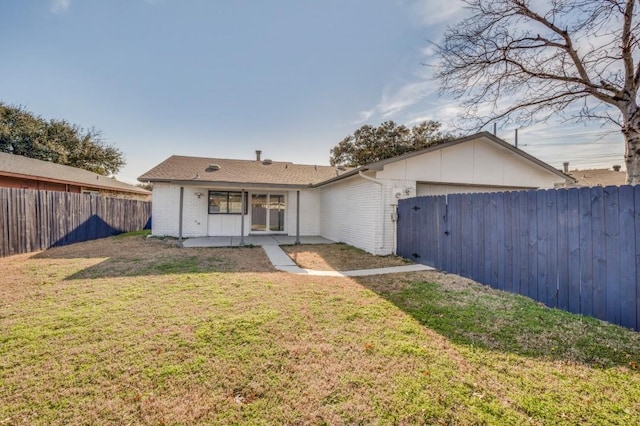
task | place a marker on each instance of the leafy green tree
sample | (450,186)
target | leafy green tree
(23,133)
(369,143)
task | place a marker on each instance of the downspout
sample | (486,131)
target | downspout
(363,176)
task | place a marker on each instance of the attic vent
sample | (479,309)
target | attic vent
(267,161)
(212,168)
(341,167)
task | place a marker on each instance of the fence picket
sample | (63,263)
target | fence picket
(573,249)
(476,237)
(541,247)
(627,261)
(486,214)
(562,280)
(599,254)
(524,246)
(493,238)
(551,244)
(586,252)
(504,234)
(4,219)
(636,216)
(513,278)
(442,231)
(612,254)
(445,262)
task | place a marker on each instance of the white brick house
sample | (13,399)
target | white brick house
(194,196)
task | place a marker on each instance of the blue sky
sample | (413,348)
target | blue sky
(224,78)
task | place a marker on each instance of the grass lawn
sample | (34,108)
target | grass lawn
(128,330)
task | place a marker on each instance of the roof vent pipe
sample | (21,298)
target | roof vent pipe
(565,166)
(258,154)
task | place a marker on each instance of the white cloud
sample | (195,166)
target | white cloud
(364,116)
(430,13)
(60,6)
(395,100)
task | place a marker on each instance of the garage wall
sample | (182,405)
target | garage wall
(350,213)
(477,162)
(423,189)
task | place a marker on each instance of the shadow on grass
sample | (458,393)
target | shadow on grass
(135,255)
(473,315)
(476,316)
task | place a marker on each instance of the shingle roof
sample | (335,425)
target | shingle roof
(193,169)
(30,168)
(599,177)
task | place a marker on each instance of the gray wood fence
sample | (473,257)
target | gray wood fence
(36,220)
(574,249)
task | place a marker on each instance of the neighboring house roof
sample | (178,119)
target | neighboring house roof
(22,167)
(184,169)
(599,177)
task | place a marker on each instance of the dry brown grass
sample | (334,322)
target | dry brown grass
(338,257)
(136,331)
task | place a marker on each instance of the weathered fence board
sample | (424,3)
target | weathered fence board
(36,220)
(612,255)
(599,255)
(562,283)
(627,249)
(576,249)
(573,249)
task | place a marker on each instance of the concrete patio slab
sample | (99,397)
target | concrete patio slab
(254,240)
(208,242)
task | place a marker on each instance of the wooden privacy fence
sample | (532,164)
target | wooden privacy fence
(36,220)
(575,249)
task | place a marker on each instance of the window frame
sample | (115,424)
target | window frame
(228,195)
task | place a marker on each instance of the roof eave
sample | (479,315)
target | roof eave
(220,184)
(345,175)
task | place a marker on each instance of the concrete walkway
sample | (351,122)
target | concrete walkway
(282,262)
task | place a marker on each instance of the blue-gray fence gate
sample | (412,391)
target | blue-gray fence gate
(574,249)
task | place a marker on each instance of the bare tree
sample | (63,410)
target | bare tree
(526,60)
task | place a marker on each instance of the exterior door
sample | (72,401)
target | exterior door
(267,212)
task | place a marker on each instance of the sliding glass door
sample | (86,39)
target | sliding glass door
(267,212)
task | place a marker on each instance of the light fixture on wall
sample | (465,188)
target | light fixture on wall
(198,194)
